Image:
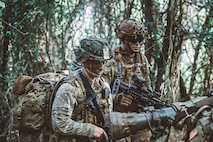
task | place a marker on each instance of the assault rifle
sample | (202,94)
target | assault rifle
(138,91)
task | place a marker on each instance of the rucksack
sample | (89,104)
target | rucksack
(33,100)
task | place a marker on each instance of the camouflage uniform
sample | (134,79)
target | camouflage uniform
(73,119)
(131,64)
(195,126)
(70,98)
(137,64)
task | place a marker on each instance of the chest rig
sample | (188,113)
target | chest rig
(86,107)
(83,112)
(129,65)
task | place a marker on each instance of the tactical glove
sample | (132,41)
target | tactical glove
(124,100)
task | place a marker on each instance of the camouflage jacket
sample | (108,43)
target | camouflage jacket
(196,127)
(137,64)
(72,120)
(130,65)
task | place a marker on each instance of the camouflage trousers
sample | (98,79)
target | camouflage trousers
(141,136)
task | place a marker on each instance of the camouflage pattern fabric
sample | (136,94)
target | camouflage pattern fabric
(138,65)
(31,105)
(131,27)
(129,66)
(32,101)
(198,127)
(93,48)
(77,126)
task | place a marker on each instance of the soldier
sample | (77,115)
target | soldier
(129,60)
(194,121)
(81,106)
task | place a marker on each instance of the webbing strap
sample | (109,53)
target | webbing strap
(87,86)
(119,73)
(92,97)
(207,101)
(96,103)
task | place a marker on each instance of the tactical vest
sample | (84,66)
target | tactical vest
(131,65)
(124,67)
(83,113)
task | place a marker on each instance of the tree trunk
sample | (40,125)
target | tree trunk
(169,76)
(4,50)
(149,22)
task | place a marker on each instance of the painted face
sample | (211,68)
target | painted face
(135,43)
(94,67)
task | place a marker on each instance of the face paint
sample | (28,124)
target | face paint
(94,67)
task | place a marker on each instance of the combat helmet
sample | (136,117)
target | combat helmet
(93,48)
(131,28)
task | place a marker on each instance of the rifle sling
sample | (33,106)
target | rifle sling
(87,85)
(119,73)
(207,101)
(96,103)
(92,94)
(116,83)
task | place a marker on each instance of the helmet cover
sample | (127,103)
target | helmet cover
(93,48)
(131,28)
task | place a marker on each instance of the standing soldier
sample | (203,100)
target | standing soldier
(129,60)
(81,107)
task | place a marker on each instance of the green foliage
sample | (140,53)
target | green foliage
(43,34)
(2,5)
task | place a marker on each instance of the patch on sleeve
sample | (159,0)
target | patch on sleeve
(193,133)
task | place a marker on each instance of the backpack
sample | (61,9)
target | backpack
(33,100)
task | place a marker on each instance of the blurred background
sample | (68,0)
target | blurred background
(39,36)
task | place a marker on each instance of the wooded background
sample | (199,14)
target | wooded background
(39,36)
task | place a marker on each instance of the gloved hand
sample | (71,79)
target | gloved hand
(124,99)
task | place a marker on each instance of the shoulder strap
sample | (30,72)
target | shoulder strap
(52,96)
(96,103)
(87,85)
(119,72)
(80,106)
(93,97)
(117,50)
